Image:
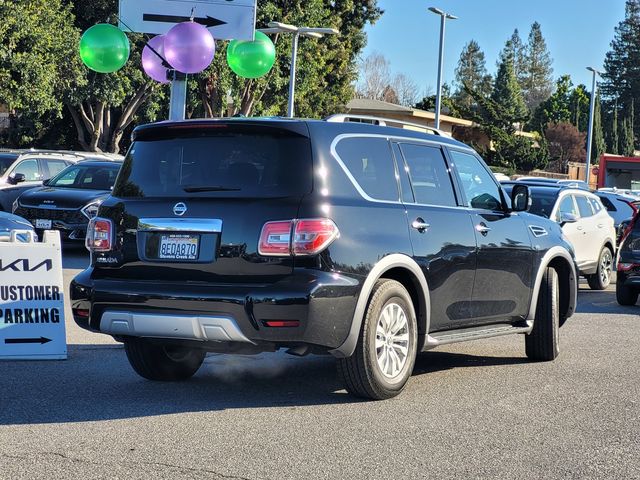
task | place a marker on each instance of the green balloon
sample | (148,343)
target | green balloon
(251,59)
(104,48)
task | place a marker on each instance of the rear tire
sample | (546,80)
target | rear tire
(162,362)
(542,344)
(626,295)
(386,351)
(602,278)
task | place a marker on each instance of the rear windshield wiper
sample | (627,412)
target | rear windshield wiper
(210,188)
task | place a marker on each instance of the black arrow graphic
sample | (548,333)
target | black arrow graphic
(40,340)
(206,21)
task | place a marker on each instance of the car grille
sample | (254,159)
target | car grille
(70,217)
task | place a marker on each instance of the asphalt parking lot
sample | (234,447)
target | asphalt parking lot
(474,410)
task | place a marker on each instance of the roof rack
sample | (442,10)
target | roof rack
(383,122)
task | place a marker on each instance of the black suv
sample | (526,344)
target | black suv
(368,242)
(628,264)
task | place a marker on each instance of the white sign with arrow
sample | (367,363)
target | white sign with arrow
(226,19)
(32,300)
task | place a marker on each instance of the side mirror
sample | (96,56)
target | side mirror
(16,178)
(520,198)
(566,217)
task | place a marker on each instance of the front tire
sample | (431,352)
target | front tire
(162,362)
(542,344)
(602,278)
(625,295)
(386,351)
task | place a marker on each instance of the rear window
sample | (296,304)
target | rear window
(225,164)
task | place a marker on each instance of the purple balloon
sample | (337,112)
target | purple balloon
(189,47)
(152,63)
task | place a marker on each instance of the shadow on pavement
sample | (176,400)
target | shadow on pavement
(97,383)
(602,301)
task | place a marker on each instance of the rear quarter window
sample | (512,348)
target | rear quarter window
(370,164)
(227,163)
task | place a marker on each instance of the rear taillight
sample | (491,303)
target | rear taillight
(99,235)
(310,237)
(625,267)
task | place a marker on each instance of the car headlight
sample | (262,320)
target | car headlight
(15,206)
(91,209)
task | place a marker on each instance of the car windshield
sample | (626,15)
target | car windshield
(6,160)
(89,177)
(542,201)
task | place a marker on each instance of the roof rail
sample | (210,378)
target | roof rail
(383,122)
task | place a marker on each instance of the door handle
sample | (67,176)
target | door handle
(420,225)
(600,225)
(579,228)
(482,229)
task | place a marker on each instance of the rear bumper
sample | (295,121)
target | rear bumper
(322,303)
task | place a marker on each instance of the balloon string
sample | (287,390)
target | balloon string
(147,43)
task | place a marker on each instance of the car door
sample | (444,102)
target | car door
(574,231)
(504,277)
(30,168)
(442,235)
(594,236)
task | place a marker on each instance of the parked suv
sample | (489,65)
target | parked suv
(628,263)
(585,222)
(368,242)
(21,170)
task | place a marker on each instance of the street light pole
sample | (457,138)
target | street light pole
(292,76)
(592,108)
(443,17)
(313,32)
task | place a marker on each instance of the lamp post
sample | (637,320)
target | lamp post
(592,107)
(278,27)
(443,17)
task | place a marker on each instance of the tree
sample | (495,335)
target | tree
(626,144)
(377,83)
(556,108)
(471,70)
(507,94)
(375,76)
(515,50)
(621,78)
(566,144)
(579,102)
(38,63)
(536,79)
(613,142)
(598,146)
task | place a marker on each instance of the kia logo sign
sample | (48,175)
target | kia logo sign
(179,209)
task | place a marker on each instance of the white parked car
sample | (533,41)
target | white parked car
(584,221)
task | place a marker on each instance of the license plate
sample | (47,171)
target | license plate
(178,247)
(43,224)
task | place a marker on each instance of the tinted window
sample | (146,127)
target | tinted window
(542,202)
(429,176)
(567,206)
(405,186)
(478,184)
(90,177)
(583,206)
(370,163)
(6,160)
(29,168)
(608,205)
(212,163)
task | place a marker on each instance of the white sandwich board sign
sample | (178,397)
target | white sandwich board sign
(32,300)
(225,19)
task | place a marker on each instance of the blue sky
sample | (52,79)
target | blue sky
(577,32)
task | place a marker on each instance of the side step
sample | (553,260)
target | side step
(463,335)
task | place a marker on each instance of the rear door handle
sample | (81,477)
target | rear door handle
(420,225)
(579,228)
(600,225)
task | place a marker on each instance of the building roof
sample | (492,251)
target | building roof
(378,106)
